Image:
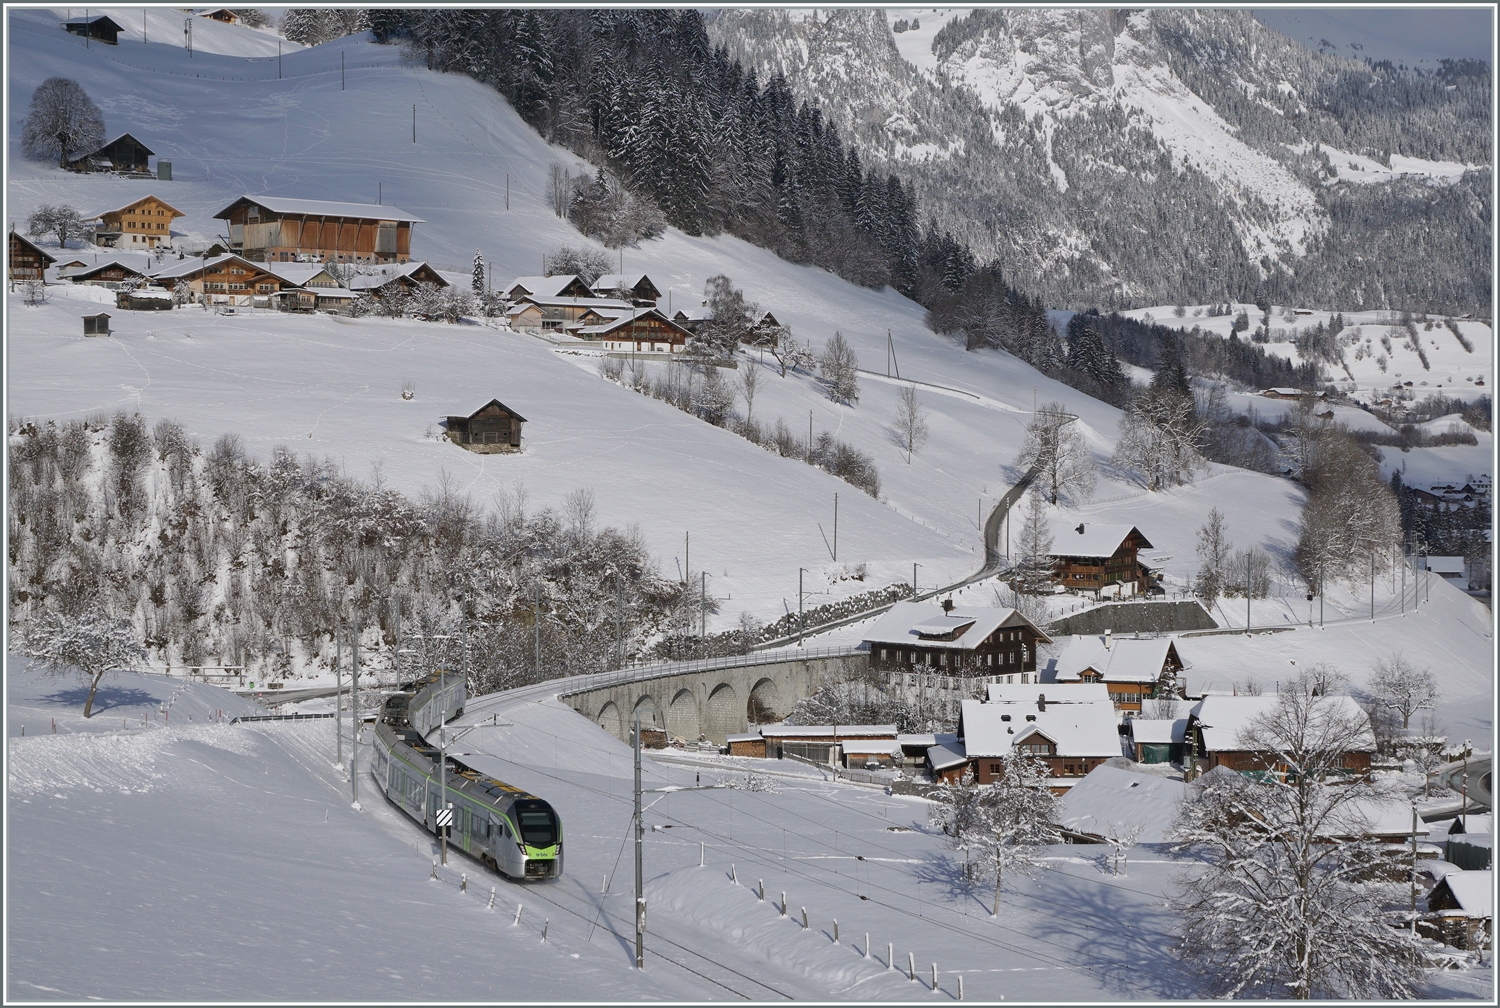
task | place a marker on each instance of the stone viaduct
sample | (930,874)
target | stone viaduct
(712,698)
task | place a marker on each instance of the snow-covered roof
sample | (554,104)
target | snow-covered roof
(860,746)
(1126,659)
(743,737)
(1030,693)
(1472,891)
(1076,729)
(946,755)
(918,739)
(1110,801)
(614,281)
(783,730)
(294,273)
(385,274)
(917,624)
(541,286)
(324,208)
(552,301)
(189,266)
(1150,730)
(1445,565)
(623,318)
(1095,539)
(105,263)
(1223,719)
(135,202)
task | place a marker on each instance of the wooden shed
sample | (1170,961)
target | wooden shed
(122,154)
(96,27)
(96,325)
(494,427)
(275,229)
(746,744)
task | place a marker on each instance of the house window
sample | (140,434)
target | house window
(995,768)
(1068,770)
(213,287)
(882,654)
(239,287)
(266,288)
(1035,749)
(943,659)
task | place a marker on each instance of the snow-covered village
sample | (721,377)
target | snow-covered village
(852,504)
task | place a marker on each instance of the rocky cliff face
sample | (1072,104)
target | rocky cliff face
(1113,157)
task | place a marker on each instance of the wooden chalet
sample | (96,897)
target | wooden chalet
(493,427)
(97,27)
(145,223)
(110,273)
(221,14)
(225,280)
(1218,726)
(963,642)
(271,228)
(1132,668)
(766,332)
(1291,393)
(24,260)
(1092,557)
(539,313)
(122,154)
(1070,738)
(638,330)
(637,287)
(691,319)
(565,285)
(404,278)
(1461,908)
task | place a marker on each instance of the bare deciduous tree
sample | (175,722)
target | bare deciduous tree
(911,421)
(1290,894)
(64,121)
(1057,451)
(65,221)
(749,385)
(1213,553)
(840,368)
(1398,685)
(90,642)
(1033,574)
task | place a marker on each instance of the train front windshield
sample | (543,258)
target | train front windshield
(538,826)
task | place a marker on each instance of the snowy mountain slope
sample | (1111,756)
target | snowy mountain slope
(156,28)
(338,379)
(1061,95)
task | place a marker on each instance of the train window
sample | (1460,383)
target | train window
(538,828)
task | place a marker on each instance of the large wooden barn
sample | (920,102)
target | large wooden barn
(493,427)
(271,228)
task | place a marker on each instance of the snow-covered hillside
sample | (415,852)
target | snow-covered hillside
(330,386)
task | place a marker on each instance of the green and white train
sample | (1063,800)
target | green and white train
(516,833)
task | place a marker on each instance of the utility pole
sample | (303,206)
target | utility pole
(278,59)
(800,627)
(507,190)
(338,692)
(1403,583)
(640,879)
(354,714)
(619,623)
(809,437)
(536,611)
(341,71)
(1247,591)
(914,581)
(413,124)
(1372,583)
(703,606)
(835,526)
(443,757)
(1413,866)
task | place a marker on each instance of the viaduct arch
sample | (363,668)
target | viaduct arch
(710,699)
